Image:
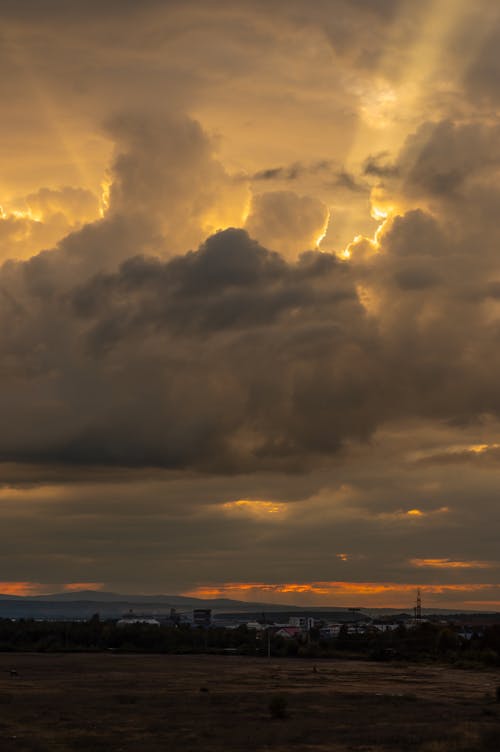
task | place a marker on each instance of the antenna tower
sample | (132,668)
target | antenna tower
(418,607)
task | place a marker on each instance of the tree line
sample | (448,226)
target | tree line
(425,642)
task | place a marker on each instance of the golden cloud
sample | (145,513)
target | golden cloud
(451,564)
(413,514)
(75,586)
(255,507)
(21,588)
(38,588)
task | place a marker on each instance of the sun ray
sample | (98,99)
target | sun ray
(49,109)
(394,105)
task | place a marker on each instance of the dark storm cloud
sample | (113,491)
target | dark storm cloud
(346,180)
(230,358)
(415,234)
(443,157)
(233,318)
(378,166)
(333,176)
(447,161)
(294,171)
(416,277)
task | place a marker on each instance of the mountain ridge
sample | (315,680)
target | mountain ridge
(121,601)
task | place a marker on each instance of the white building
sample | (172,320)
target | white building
(302,622)
(255,625)
(137,620)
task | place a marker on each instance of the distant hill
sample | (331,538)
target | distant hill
(99,596)
(82,604)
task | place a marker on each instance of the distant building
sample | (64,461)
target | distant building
(255,625)
(184,617)
(302,622)
(329,631)
(288,633)
(137,620)
(132,618)
(385,626)
(202,617)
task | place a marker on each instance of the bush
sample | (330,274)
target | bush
(278,706)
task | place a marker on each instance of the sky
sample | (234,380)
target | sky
(250,299)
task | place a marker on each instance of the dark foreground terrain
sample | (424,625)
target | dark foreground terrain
(141,703)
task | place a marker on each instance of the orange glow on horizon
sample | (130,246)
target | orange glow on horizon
(21,588)
(38,588)
(451,564)
(377,593)
(75,586)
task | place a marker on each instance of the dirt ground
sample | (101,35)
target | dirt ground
(148,703)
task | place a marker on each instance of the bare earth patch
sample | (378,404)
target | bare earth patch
(149,703)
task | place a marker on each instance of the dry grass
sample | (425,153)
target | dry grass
(182,703)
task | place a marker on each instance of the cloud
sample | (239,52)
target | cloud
(295,364)
(166,192)
(485,455)
(286,222)
(414,515)
(223,313)
(388,594)
(20,588)
(442,158)
(348,182)
(451,564)
(482,68)
(377,166)
(28,589)
(153,346)
(39,220)
(165,170)
(293,172)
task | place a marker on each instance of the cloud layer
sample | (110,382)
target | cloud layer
(250,296)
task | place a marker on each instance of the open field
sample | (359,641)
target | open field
(146,703)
